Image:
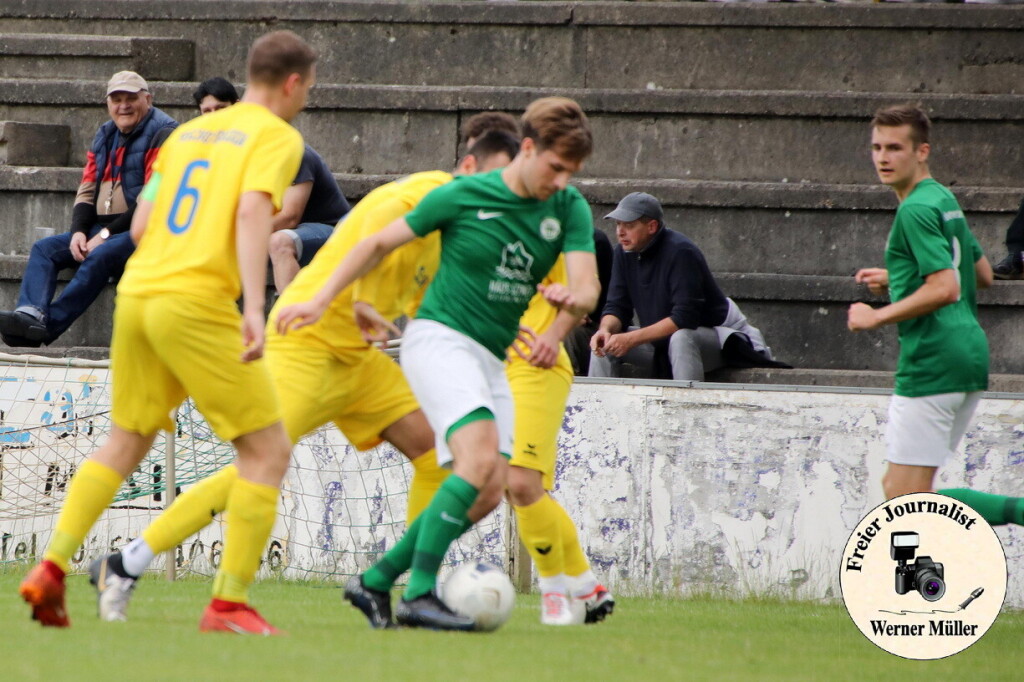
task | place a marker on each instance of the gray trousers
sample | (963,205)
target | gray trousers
(691,353)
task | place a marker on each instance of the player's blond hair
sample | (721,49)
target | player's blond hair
(558,124)
(905,114)
(277,55)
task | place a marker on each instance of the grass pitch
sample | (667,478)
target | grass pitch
(646,639)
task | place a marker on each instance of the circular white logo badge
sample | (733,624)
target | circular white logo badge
(550,228)
(923,576)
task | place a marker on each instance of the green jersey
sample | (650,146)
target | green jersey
(495,248)
(946,350)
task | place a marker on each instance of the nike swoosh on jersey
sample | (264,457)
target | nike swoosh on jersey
(487,215)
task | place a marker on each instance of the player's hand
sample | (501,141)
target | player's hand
(598,342)
(523,343)
(374,327)
(252,335)
(558,295)
(861,316)
(79,246)
(297,316)
(544,353)
(876,279)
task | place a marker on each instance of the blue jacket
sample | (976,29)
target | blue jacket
(137,144)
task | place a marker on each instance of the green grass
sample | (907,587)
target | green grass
(646,639)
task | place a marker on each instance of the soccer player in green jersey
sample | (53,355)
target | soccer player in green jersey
(934,266)
(501,233)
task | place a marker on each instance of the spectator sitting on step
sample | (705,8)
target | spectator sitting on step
(116,168)
(1012,267)
(311,208)
(687,325)
(214,94)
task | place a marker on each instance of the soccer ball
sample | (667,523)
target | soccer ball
(481,591)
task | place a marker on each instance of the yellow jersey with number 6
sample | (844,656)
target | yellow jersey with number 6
(201,172)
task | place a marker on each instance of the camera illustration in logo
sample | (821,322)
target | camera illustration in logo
(923,575)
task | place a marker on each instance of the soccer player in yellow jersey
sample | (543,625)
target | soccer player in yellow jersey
(329,372)
(202,226)
(540,383)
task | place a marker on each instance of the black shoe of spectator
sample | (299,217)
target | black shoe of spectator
(1011,267)
(19,341)
(18,324)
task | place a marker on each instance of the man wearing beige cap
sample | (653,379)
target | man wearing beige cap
(117,166)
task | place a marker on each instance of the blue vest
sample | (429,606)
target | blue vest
(137,143)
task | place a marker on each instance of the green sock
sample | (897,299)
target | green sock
(998,510)
(443,521)
(396,561)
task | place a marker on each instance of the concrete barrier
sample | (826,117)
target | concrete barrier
(59,55)
(674,489)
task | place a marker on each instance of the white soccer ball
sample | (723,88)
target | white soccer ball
(481,591)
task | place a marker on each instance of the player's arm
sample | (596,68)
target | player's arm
(144,207)
(545,347)
(363,257)
(876,279)
(580,296)
(940,288)
(983,276)
(384,284)
(253,225)
(293,205)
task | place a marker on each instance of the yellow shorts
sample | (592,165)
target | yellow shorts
(362,391)
(168,347)
(540,396)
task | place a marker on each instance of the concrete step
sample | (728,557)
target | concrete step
(34,144)
(997,383)
(944,48)
(59,55)
(811,378)
(762,136)
(803,319)
(784,228)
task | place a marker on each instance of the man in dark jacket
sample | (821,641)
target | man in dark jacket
(116,168)
(686,322)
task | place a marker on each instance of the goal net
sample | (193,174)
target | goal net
(340,509)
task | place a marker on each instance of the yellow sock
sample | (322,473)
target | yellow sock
(539,530)
(252,508)
(427,477)
(91,491)
(575,560)
(191,512)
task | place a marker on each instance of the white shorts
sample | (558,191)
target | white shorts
(452,375)
(925,431)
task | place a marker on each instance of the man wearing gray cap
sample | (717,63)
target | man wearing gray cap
(687,325)
(117,166)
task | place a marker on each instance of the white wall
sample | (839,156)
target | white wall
(674,489)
